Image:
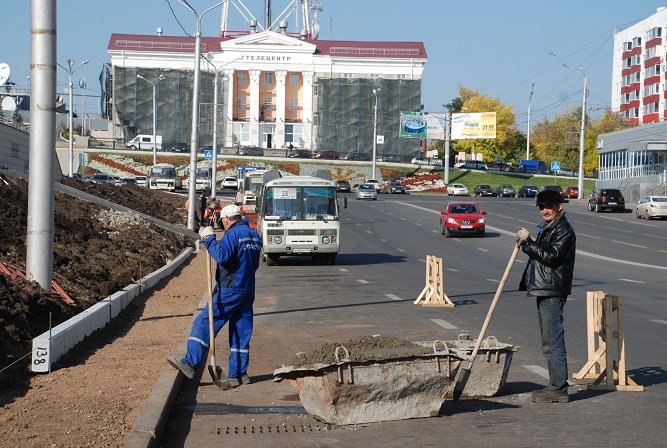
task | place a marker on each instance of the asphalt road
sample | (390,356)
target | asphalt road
(370,290)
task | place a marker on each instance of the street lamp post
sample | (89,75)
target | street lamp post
(70,70)
(528,130)
(153,84)
(580,178)
(194,139)
(376,92)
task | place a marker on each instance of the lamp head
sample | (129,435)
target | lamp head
(160,78)
(85,62)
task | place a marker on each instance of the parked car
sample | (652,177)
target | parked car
(102,178)
(377,184)
(554,188)
(230,183)
(463,218)
(651,207)
(300,154)
(328,155)
(527,191)
(250,151)
(475,165)
(505,191)
(396,187)
(432,161)
(180,147)
(390,158)
(117,180)
(606,199)
(354,155)
(366,191)
(142,181)
(77,176)
(457,190)
(128,180)
(484,190)
(343,186)
(572,192)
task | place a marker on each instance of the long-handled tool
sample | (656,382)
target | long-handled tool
(464,373)
(214,369)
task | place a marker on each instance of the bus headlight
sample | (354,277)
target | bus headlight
(278,239)
(326,240)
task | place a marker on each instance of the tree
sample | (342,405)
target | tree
(609,122)
(17,117)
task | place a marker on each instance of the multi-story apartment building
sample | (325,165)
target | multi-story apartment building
(638,79)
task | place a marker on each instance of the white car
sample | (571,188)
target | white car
(652,207)
(366,191)
(142,181)
(457,190)
(230,183)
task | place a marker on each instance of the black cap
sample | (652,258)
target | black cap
(548,198)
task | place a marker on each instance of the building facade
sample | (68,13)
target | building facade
(639,90)
(274,90)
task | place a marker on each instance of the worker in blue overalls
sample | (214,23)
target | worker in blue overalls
(237,257)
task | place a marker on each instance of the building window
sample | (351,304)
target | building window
(242,78)
(637,42)
(268,103)
(293,79)
(637,77)
(400,76)
(293,104)
(293,133)
(650,53)
(15,150)
(316,90)
(653,33)
(653,70)
(651,108)
(627,46)
(636,59)
(242,132)
(316,118)
(268,78)
(347,75)
(241,104)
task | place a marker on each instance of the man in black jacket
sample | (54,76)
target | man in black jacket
(548,277)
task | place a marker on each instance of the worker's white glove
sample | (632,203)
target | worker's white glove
(521,235)
(205,232)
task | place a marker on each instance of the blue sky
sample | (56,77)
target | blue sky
(496,47)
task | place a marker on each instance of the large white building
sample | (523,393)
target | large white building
(276,89)
(638,77)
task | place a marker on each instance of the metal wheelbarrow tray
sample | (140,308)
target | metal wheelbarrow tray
(390,386)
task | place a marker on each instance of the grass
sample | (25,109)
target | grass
(473,178)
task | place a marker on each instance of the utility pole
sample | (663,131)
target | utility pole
(70,70)
(528,131)
(448,135)
(153,85)
(376,92)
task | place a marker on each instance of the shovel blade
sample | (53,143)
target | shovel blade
(461,379)
(216,375)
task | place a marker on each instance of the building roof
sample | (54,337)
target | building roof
(334,48)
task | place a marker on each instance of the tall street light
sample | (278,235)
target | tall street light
(70,70)
(153,84)
(580,70)
(376,92)
(194,139)
(528,131)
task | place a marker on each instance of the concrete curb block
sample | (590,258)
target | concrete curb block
(50,346)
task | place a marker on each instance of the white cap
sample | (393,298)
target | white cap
(230,210)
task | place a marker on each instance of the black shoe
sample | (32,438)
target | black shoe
(550,396)
(186,369)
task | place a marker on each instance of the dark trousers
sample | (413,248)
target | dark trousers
(550,318)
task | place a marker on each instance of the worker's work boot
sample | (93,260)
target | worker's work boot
(547,395)
(186,369)
(240,380)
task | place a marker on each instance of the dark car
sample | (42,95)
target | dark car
(102,178)
(606,199)
(505,191)
(299,154)
(180,147)
(354,155)
(396,187)
(484,190)
(527,191)
(343,186)
(390,158)
(329,155)
(250,151)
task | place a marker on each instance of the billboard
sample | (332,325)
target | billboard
(473,125)
(413,125)
(435,126)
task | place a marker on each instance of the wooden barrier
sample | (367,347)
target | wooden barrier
(433,293)
(606,344)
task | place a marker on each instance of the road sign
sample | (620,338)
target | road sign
(379,139)
(208,154)
(555,167)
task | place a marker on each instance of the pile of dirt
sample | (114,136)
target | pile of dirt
(96,252)
(365,348)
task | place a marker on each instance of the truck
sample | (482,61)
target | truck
(163,176)
(253,181)
(533,166)
(145,142)
(202,178)
(299,215)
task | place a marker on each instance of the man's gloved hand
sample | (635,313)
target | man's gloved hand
(205,232)
(522,234)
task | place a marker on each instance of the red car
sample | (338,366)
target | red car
(572,192)
(465,218)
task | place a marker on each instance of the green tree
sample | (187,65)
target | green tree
(609,122)
(17,117)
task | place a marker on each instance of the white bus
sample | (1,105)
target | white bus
(202,178)
(163,176)
(299,215)
(253,182)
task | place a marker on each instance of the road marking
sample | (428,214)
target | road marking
(544,373)
(630,280)
(452,269)
(444,324)
(361,280)
(629,244)
(493,280)
(482,249)
(659,321)
(404,219)
(358,224)
(660,250)
(418,224)
(580,252)
(435,231)
(526,222)
(589,236)
(393,297)
(369,231)
(422,260)
(399,249)
(342,269)
(503,216)
(615,229)
(383,240)
(655,236)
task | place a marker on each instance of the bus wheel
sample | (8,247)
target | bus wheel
(271,260)
(331,259)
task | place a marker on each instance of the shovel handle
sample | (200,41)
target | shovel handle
(494,302)
(209,289)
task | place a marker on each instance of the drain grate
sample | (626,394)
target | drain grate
(268,429)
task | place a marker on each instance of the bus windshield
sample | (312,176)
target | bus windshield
(163,172)
(202,173)
(300,204)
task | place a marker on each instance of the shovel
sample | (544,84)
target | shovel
(214,369)
(463,374)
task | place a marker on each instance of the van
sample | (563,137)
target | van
(475,165)
(145,142)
